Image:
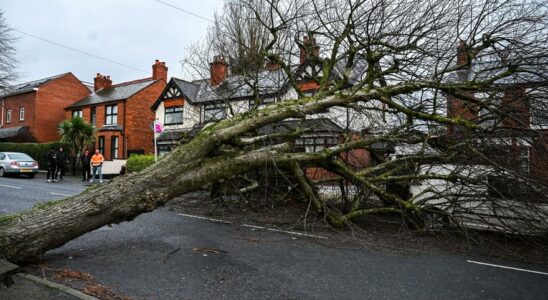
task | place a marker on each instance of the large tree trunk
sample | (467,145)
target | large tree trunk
(25,236)
(407,69)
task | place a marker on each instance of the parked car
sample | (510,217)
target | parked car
(17,163)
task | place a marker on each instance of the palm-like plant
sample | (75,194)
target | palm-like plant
(77,133)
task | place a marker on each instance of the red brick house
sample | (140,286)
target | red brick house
(522,111)
(31,111)
(121,113)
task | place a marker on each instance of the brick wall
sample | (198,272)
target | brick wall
(139,117)
(539,157)
(52,97)
(515,108)
(107,134)
(14,103)
(308,86)
(107,153)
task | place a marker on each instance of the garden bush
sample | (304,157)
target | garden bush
(136,163)
(38,151)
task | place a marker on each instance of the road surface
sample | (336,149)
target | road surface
(167,255)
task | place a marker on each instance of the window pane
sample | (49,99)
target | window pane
(173,115)
(214,112)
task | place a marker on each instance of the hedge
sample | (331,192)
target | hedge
(136,163)
(37,151)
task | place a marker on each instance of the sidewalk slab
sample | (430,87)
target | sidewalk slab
(25,286)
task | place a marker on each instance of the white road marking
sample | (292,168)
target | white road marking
(506,267)
(256,227)
(59,194)
(286,231)
(204,218)
(10,186)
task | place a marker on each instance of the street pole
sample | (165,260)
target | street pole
(155,144)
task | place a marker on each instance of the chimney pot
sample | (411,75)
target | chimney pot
(101,82)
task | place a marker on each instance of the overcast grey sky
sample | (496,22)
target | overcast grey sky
(132,32)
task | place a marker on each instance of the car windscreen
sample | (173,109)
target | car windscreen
(19,156)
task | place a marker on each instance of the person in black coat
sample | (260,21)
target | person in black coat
(86,167)
(61,163)
(52,164)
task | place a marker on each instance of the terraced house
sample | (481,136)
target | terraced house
(31,111)
(121,113)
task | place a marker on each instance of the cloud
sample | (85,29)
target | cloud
(132,32)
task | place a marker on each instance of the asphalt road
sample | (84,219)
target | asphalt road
(160,255)
(19,193)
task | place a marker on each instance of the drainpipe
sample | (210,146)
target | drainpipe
(2,120)
(124,139)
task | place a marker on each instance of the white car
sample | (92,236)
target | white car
(17,163)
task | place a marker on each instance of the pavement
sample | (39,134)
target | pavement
(169,255)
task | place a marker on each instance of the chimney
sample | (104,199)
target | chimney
(159,70)
(309,48)
(101,82)
(462,54)
(218,70)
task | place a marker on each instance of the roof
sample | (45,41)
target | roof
(267,83)
(533,70)
(27,86)
(171,135)
(311,69)
(12,131)
(115,92)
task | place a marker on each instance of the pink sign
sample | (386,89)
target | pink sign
(158,128)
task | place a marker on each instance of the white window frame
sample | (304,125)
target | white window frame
(113,116)
(22,113)
(114,147)
(8,116)
(77,113)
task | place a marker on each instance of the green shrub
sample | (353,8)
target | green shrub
(136,163)
(37,151)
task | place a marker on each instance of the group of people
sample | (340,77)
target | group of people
(57,161)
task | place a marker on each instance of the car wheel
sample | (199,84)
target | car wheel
(31,176)
(2,172)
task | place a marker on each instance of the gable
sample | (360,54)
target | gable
(171,92)
(172,95)
(309,71)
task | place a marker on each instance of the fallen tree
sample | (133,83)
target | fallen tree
(404,80)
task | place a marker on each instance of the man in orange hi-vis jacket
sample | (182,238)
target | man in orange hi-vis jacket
(97,164)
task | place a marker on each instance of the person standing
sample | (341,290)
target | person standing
(97,164)
(52,164)
(61,163)
(86,167)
